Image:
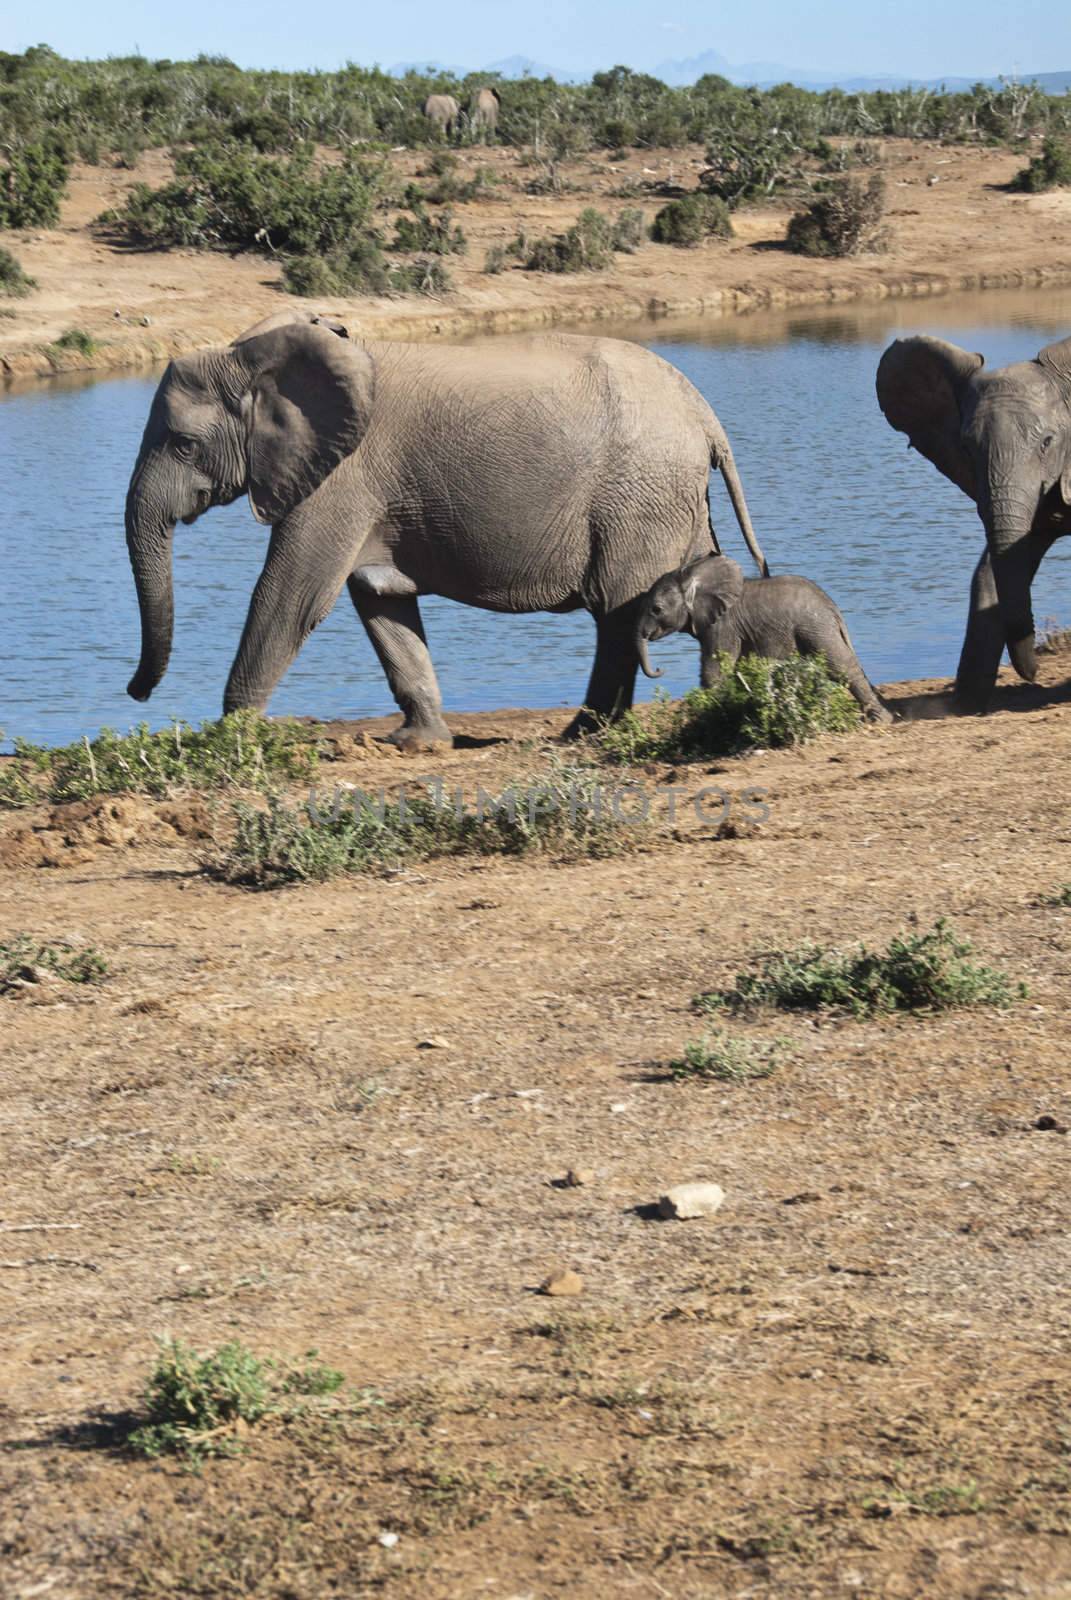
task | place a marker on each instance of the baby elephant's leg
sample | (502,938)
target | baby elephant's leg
(843,663)
(712,643)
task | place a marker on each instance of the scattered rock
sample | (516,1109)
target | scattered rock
(388,1540)
(578,1177)
(689,1200)
(562,1281)
(1049,1124)
(433,1042)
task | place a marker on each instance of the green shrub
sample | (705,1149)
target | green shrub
(421,277)
(1049,170)
(559,814)
(841,222)
(421,231)
(242,750)
(588,246)
(728,1060)
(750,163)
(356,268)
(78,340)
(756,704)
(691,220)
(629,231)
(226,196)
(32,185)
(918,972)
(25,960)
(495,259)
(195,1405)
(13,280)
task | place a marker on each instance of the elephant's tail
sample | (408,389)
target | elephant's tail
(721,457)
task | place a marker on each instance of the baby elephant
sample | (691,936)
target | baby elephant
(774,617)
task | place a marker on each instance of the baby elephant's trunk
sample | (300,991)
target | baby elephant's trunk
(645,659)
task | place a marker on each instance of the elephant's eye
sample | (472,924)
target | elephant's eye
(1046,442)
(184,448)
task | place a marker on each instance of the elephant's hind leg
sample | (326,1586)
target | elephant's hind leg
(393,624)
(613,674)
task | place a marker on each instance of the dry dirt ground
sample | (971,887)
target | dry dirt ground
(951,221)
(851,1381)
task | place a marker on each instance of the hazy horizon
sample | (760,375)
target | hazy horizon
(915,40)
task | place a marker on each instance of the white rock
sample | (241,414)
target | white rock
(388,1540)
(691,1200)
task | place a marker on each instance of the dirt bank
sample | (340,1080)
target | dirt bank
(334,1117)
(953,225)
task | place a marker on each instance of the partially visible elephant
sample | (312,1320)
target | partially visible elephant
(734,616)
(483,109)
(547,473)
(443,111)
(1004,438)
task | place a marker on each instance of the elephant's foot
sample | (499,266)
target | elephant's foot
(970,702)
(420,738)
(585,722)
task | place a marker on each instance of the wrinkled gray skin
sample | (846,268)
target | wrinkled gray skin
(773,617)
(1004,438)
(546,473)
(483,111)
(442,110)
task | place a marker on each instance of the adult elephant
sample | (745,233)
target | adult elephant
(549,473)
(483,110)
(443,111)
(1004,438)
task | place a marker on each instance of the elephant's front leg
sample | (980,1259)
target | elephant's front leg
(397,633)
(308,559)
(714,643)
(983,643)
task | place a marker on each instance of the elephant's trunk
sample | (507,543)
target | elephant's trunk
(1008,529)
(148,540)
(645,659)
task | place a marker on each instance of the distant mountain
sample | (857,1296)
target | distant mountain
(764,74)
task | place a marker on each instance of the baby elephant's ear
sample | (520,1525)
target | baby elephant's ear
(713,584)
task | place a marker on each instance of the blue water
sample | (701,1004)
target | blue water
(833,492)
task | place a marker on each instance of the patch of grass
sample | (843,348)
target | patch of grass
(756,704)
(495,259)
(559,814)
(588,246)
(196,1405)
(25,960)
(630,230)
(78,340)
(1058,897)
(936,1500)
(918,972)
(243,750)
(729,1060)
(841,222)
(436,234)
(692,219)
(13,280)
(1049,170)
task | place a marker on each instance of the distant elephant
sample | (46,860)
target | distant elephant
(547,473)
(1004,438)
(731,615)
(444,111)
(483,110)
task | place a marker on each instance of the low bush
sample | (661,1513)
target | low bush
(242,750)
(32,185)
(756,704)
(196,1405)
(25,961)
(78,340)
(227,196)
(749,164)
(558,814)
(495,259)
(588,246)
(918,972)
(437,235)
(728,1060)
(841,222)
(1049,170)
(356,268)
(691,220)
(13,280)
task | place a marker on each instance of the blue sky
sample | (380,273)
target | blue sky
(917,38)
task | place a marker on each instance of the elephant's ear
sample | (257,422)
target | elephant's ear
(714,584)
(920,382)
(309,406)
(1055,359)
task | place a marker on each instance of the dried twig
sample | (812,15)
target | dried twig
(36,1227)
(49,1261)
